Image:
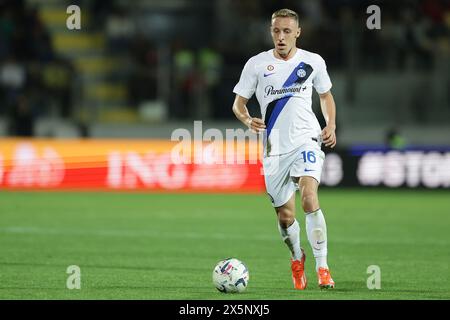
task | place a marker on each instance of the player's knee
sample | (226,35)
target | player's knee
(285,217)
(310,201)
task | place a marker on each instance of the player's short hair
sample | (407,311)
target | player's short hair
(286,13)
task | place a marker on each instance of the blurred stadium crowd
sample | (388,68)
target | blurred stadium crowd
(156,60)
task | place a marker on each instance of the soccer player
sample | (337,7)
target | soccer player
(282,79)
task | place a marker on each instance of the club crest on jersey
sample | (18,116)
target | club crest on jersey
(301,73)
(270,67)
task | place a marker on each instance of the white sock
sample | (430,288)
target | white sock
(291,236)
(316,230)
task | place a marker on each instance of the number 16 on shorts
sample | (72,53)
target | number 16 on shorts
(308,156)
(309,163)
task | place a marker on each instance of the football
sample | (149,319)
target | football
(230,276)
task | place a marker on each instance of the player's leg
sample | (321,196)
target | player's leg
(315,222)
(290,232)
(289,227)
(316,228)
(281,189)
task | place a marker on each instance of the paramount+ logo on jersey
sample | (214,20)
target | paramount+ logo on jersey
(271,91)
(295,82)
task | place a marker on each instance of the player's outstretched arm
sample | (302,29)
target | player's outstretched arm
(241,112)
(329,112)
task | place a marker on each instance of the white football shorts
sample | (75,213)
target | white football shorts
(279,171)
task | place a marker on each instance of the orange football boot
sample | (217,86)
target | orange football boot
(325,280)
(298,272)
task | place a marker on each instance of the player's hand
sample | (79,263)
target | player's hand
(256,125)
(329,136)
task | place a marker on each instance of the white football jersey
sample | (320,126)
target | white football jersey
(284,92)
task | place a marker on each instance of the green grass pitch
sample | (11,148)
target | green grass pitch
(164,246)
